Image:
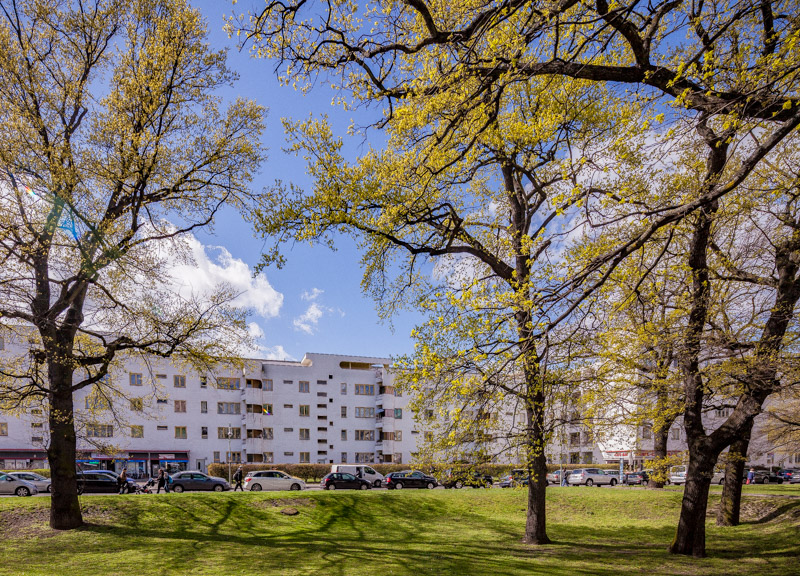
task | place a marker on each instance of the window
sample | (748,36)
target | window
(322,382)
(428,436)
(180,405)
(204,432)
(365,412)
(365,435)
(647,431)
(575,439)
(305,458)
(135,379)
(365,389)
(203,407)
(229,408)
(344,411)
(365,457)
(429,414)
(2,343)
(180,432)
(216,457)
(233,456)
(253,383)
(255,409)
(3,428)
(161,376)
(268,388)
(267,409)
(179,381)
(344,457)
(222,433)
(290,382)
(344,434)
(722,413)
(303,387)
(305,410)
(323,395)
(37,439)
(162,428)
(95,402)
(137,404)
(137,431)
(305,434)
(228,383)
(36,425)
(255,433)
(161,400)
(204,384)
(36,411)
(269,434)
(676,433)
(99,430)
(288,405)
(288,429)
(269,457)
(344,387)
(398,412)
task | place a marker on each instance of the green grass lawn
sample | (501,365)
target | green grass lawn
(436,532)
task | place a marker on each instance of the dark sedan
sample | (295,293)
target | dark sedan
(459,479)
(344,481)
(637,478)
(100,482)
(764,477)
(788,473)
(193,480)
(409,479)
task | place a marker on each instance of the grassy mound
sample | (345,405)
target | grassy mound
(468,532)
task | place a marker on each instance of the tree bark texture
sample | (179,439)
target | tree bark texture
(535,522)
(65,511)
(690,538)
(731,501)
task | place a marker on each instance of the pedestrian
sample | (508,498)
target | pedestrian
(122,480)
(161,482)
(751,476)
(167,481)
(237,477)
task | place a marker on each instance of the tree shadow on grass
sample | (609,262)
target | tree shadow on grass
(343,533)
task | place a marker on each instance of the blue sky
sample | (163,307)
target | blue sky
(314,303)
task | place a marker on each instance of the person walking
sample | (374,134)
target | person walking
(237,477)
(122,481)
(751,476)
(161,482)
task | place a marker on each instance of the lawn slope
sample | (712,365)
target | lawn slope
(467,532)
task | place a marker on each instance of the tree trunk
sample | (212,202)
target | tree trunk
(690,538)
(535,523)
(660,438)
(65,511)
(730,503)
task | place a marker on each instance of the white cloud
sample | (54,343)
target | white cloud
(311,296)
(210,266)
(308,321)
(255,331)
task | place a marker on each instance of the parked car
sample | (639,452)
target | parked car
(795,479)
(272,480)
(100,482)
(194,480)
(360,471)
(344,481)
(637,478)
(460,478)
(763,477)
(677,475)
(409,479)
(519,477)
(788,474)
(11,485)
(506,481)
(42,484)
(591,477)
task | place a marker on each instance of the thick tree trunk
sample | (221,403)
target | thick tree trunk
(730,504)
(535,523)
(690,538)
(65,511)
(660,438)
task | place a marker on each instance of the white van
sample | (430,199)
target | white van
(360,471)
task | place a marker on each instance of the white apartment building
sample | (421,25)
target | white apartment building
(323,409)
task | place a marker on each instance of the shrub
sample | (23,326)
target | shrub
(40,471)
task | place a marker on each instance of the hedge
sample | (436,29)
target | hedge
(40,471)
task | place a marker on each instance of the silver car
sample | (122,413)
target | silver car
(10,485)
(591,477)
(42,484)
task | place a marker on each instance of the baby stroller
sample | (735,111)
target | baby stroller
(148,487)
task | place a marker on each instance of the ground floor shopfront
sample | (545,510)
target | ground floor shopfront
(137,464)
